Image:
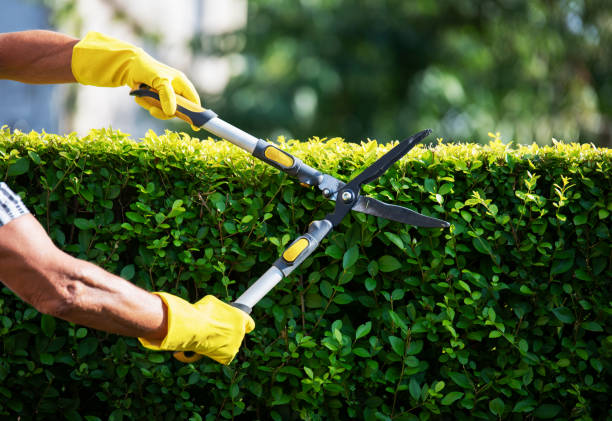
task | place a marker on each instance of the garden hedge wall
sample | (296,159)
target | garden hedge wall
(506,315)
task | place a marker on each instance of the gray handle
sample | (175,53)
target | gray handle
(242,307)
(291,258)
(236,136)
(259,289)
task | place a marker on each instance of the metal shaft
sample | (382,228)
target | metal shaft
(261,287)
(231,133)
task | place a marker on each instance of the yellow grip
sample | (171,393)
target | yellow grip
(278,156)
(185,109)
(295,249)
(191,106)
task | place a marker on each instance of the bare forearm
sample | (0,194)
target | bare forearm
(72,289)
(107,302)
(36,57)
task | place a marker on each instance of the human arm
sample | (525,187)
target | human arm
(58,284)
(36,56)
(49,57)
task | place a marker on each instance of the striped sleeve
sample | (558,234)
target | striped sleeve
(11,206)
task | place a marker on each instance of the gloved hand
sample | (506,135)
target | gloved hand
(100,60)
(209,327)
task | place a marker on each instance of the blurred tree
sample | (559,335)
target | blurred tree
(387,68)
(383,69)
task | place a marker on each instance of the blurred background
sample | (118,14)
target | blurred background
(378,69)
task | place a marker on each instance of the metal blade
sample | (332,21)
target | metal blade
(397,213)
(383,163)
(370,206)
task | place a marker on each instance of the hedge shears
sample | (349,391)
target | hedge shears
(346,195)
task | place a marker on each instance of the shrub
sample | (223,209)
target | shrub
(503,316)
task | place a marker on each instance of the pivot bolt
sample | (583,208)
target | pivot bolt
(326,192)
(347,196)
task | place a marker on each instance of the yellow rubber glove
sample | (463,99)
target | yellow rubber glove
(100,60)
(209,327)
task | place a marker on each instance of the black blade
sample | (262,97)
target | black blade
(397,213)
(383,163)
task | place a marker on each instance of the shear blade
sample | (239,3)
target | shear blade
(397,213)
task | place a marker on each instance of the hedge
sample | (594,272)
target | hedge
(506,315)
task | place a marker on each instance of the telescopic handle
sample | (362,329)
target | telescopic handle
(197,116)
(292,257)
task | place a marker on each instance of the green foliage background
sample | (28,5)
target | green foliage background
(504,316)
(533,70)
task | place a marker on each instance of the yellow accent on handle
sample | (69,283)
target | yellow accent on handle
(187,357)
(278,156)
(191,106)
(295,250)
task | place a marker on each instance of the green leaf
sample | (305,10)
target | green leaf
(592,326)
(87,195)
(398,320)
(415,348)
(326,289)
(581,219)
(84,224)
(460,379)
(395,239)
(15,405)
(524,289)
(482,245)
(373,268)
(21,166)
(397,344)
(414,388)
(547,411)
(445,188)
(561,266)
(350,257)
(47,325)
(451,397)
(388,264)
(87,347)
(430,185)
(135,217)
(81,333)
(363,330)
(361,352)
(46,359)
(343,299)
(127,272)
(526,405)
(334,251)
(34,157)
(218,201)
(497,406)
(564,314)
(314,300)
(156,357)
(464,286)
